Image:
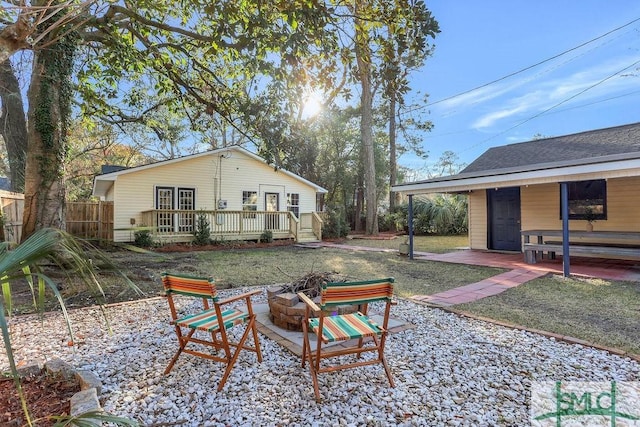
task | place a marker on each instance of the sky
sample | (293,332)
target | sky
(590,87)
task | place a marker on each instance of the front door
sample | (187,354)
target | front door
(503,209)
(272,204)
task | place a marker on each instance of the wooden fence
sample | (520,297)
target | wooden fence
(87,220)
(12,206)
(90,220)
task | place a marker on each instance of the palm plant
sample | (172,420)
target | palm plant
(441,213)
(24,263)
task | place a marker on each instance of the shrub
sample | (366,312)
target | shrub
(143,238)
(266,236)
(335,225)
(202,232)
(396,220)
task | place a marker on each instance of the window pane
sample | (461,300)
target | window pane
(293,203)
(250,202)
(587,199)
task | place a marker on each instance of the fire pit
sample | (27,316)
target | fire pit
(285,308)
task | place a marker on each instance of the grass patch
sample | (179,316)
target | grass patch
(434,244)
(237,268)
(601,311)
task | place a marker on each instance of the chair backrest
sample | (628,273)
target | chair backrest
(339,293)
(203,287)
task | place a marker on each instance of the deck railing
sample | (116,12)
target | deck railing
(222,223)
(312,221)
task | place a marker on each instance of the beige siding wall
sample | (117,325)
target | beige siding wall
(213,178)
(478,219)
(541,207)
(623,205)
(241,173)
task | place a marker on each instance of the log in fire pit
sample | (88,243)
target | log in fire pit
(285,308)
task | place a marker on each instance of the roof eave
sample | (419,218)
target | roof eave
(505,178)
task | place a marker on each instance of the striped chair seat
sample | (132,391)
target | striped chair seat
(208,321)
(345,327)
(206,328)
(358,333)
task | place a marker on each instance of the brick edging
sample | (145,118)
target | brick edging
(558,337)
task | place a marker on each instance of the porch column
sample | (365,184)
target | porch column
(410,226)
(564,208)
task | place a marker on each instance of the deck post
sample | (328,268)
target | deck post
(410,226)
(564,207)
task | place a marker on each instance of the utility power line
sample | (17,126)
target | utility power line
(552,107)
(523,69)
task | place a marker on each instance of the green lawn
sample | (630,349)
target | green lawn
(599,311)
(235,268)
(595,310)
(435,244)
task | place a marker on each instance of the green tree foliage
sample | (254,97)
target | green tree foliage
(443,214)
(89,147)
(405,50)
(388,38)
(202,232)
(230,72)
(234,60)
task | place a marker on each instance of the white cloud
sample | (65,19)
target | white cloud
(489,119)
(546,93)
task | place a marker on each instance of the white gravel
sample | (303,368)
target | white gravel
(448,371)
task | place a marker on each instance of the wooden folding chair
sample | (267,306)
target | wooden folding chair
(356,326)
(208,321)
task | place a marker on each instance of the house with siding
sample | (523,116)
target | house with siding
(239,193)
(518,186)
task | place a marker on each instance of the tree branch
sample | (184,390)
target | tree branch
(114,10)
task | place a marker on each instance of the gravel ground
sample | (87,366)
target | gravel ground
(448,371)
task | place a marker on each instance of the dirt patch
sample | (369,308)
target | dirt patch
(143,268)
(46,395)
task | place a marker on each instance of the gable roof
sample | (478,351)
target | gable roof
(567,148)
(102,182)
(602,153)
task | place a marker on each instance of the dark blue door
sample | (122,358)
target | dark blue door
(503,208)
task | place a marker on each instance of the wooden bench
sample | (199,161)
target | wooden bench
(535,251)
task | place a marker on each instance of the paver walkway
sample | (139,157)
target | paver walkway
(520,272)
(484,288)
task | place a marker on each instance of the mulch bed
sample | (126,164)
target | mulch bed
(240,244)
(46,396)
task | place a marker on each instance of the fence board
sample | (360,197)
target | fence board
(90,220)
(11,208)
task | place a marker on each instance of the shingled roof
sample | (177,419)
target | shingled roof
(579,146)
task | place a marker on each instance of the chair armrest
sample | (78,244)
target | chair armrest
(246,295)
(312,305)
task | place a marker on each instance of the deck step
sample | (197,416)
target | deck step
(307,236)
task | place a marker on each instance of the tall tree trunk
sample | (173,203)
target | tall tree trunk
(357,221)
(363,58)
(13,125)
(49,108)
(393,169)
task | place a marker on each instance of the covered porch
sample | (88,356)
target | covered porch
(176,225)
